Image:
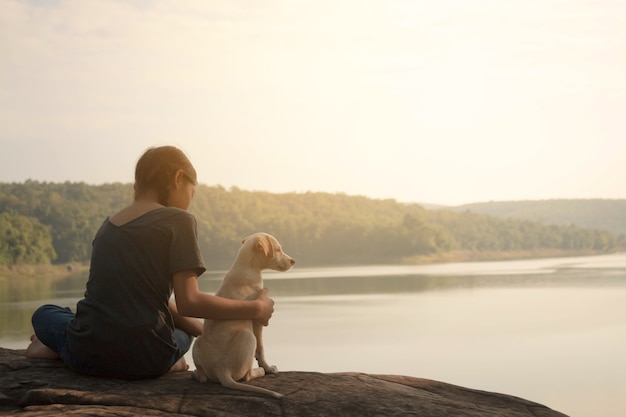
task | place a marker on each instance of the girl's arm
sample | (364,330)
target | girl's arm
(190,325)
(191,302)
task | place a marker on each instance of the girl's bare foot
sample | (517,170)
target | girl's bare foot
(179,366)
(37,350)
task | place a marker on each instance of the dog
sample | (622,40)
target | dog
(226,350)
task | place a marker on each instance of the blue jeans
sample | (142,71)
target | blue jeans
(50,325)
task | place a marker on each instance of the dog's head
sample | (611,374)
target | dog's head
(267,252)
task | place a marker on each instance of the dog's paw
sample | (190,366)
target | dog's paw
(271,369)
(199,376)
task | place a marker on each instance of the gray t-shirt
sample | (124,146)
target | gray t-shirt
(123,327)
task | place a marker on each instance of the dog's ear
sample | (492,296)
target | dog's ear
(264,244)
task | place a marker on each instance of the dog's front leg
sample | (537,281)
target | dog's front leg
(260,351)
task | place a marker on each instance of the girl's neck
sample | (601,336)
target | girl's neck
(138,208)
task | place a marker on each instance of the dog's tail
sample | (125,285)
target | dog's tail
(228,381)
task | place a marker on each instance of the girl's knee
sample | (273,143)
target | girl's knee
(40,314)
(50,316)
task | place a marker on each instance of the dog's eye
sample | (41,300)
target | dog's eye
(279,250)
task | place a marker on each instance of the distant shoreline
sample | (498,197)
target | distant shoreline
(20,274)
(491,256)
(30,274)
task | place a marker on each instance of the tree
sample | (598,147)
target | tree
(23,240)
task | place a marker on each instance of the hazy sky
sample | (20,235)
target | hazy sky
(449,101)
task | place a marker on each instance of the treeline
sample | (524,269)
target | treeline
(55,222)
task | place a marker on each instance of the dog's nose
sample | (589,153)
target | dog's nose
(293,261)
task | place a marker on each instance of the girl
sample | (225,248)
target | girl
(126,326)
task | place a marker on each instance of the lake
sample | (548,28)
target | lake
(548,330)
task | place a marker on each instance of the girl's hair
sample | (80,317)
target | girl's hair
(156,169)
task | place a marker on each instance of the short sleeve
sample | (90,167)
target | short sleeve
(184,249)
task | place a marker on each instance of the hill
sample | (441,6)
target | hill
(44,222)
(599,214)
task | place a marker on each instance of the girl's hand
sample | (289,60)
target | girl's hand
(266,307)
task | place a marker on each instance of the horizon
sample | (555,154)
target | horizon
(446,103)
(426,204)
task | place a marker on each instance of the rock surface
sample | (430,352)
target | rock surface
(34,388)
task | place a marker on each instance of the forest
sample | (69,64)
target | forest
(43,222)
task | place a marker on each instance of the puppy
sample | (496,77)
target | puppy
(226,350)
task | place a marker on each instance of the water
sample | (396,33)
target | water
(551,330)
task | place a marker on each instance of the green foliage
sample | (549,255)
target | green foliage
(24,240)
(315,228)
(72,211)
(322,228)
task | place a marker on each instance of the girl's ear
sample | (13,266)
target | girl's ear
(179,178)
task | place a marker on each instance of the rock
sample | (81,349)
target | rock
(33,388)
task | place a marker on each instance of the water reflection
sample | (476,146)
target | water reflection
(395,279)
(18,300)
(396,284)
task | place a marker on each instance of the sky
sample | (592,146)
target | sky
(446,102)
